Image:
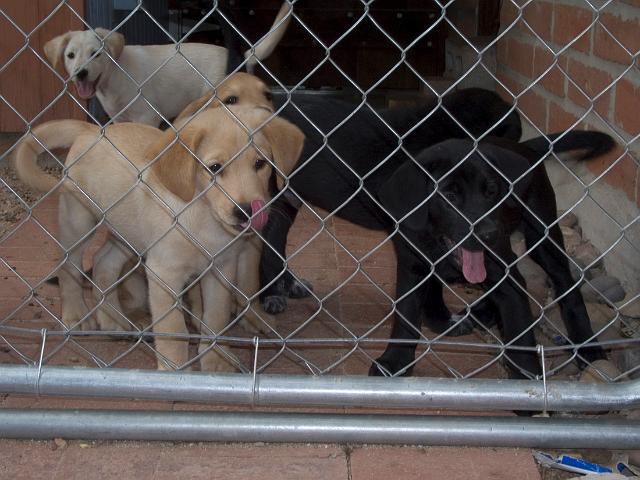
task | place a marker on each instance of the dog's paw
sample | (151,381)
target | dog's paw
(248,326)
(89,324)
(377,370)
(218,360)
(274,304)
(387,368)
(256,326)
(110,324)
(71,315)
(300,289)
(461,327)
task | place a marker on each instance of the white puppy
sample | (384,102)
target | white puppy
(147,75)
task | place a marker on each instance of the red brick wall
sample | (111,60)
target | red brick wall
(580,53)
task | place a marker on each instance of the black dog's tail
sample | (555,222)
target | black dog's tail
(593,143)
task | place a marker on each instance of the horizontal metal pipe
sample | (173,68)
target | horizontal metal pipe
(288,427)
(337,391)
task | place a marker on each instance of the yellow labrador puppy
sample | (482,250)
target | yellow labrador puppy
(183,201)
(239,89)
(114,265)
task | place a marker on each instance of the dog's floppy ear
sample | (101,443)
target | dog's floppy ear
(173,165)
(511,164)
(286,142)
(408,187)
(54,49)
(113,40)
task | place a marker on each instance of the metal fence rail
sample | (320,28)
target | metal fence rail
(292,427)
(299,362)
(329,391)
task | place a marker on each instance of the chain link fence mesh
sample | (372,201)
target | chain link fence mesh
(345,323)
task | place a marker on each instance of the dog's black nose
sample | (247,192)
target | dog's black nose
(82,74)
(242,212)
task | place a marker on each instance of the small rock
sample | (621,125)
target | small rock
(607,286)
(604,317)
(519,248)
(606,323)
(631,310)
(569,219)
(627,359)
(605,283)
(614,294)
(578,230)
(595,272)
(518,244)
(59,442)
(600,371)
(536,279)
(587,256)
(571,239)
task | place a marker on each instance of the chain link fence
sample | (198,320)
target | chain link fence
(342,324)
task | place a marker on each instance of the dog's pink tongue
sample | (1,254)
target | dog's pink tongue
(473,266)
(258,218)
(86,89)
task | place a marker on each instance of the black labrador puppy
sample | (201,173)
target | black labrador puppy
(350,150)
(456,207)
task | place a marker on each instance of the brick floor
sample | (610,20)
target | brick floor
(31,255)
(143,460)
(439,463)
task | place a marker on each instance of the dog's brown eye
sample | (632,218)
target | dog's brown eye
(71,55)
(215,168)
(231,100)
(268,96)
(260,162)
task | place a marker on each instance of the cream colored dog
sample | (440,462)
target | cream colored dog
(186,215)
(115,271)
(147,74)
